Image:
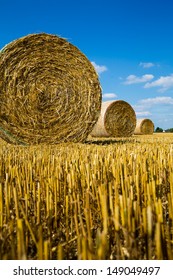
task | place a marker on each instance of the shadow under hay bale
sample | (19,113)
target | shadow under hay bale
(117,119)
(144,126)
(49,91)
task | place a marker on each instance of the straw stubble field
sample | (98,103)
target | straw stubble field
(103,199)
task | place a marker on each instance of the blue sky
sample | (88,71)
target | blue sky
(130,44)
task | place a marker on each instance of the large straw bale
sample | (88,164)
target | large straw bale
(117,119)
(49,91)
(144,126)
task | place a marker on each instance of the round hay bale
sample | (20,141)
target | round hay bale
(117,119)
(144,126)
(49,91)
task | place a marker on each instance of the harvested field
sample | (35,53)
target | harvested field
(108,198)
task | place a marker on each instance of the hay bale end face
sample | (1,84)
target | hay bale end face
(144,126)
(49,91)
(117,119)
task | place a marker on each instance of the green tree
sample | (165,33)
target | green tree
(169,130)
(158,129)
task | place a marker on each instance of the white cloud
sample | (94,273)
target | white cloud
(141,110)
(143,114)
(146,64)
(167,100)
(132,79)
(99,68)
(139,107)
(142,107)
(109,95)
(164,82)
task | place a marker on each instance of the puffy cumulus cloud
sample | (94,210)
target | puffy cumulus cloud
(132,79)
(109,95)
(164,82)
(167,100)
(99,68)
(146,64)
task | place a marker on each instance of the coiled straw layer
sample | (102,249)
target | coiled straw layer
(144,126)
(117,119)
(49,91)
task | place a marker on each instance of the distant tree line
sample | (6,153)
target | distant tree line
(159,129)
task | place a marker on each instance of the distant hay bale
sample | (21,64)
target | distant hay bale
(49,91)
(144,126)
(117,119)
